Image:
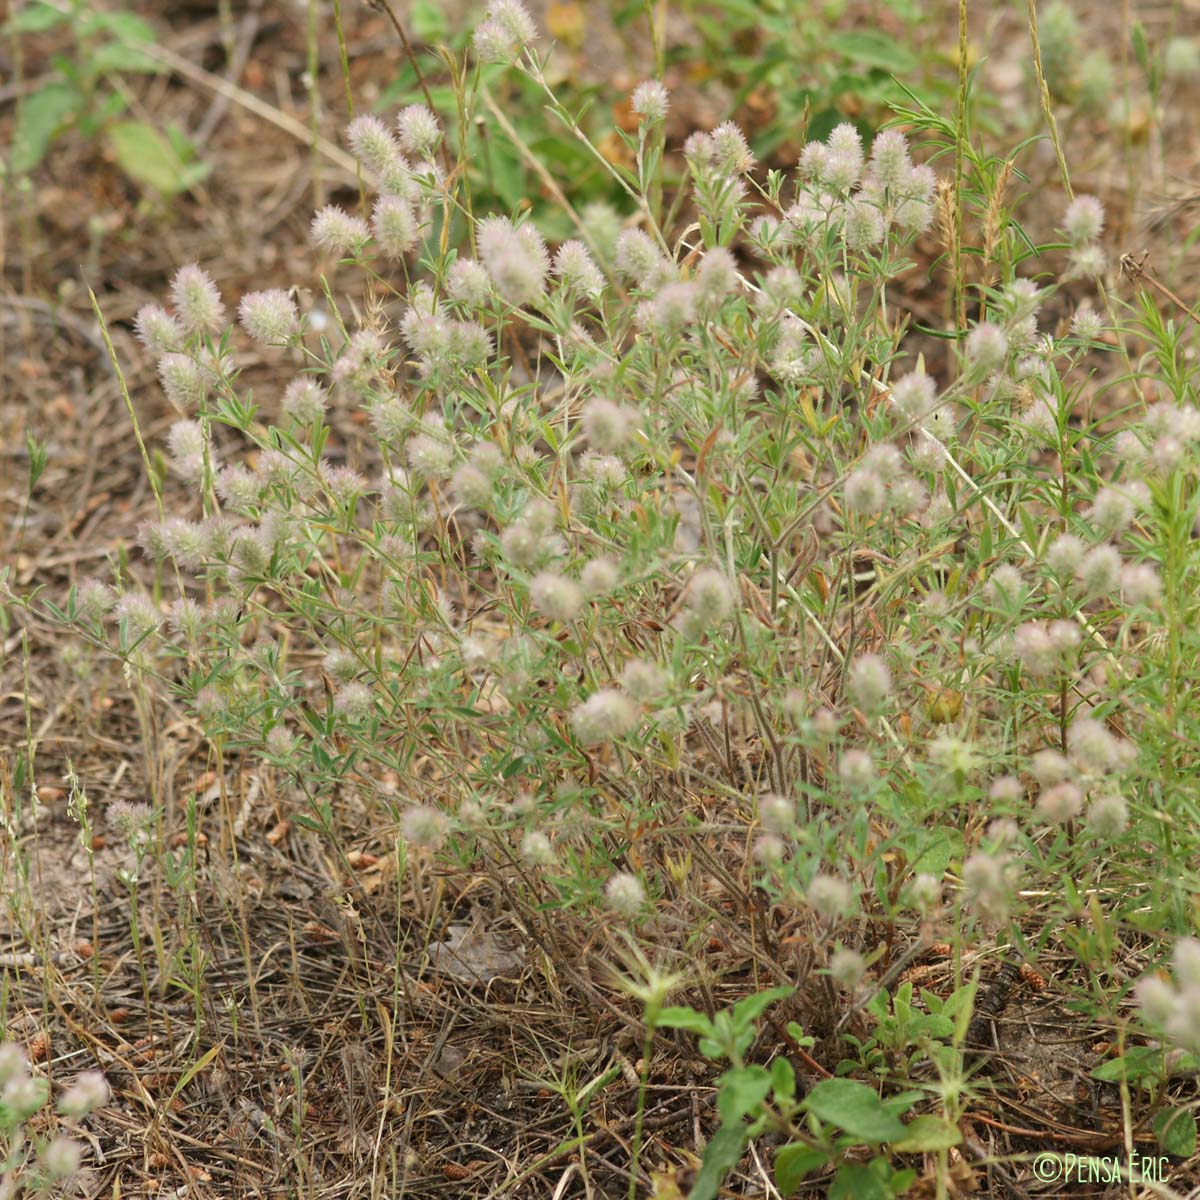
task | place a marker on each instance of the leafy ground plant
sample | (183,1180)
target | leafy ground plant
(667,599)
(86,93)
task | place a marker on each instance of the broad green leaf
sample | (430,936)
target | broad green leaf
(856,1182)
(117,56)
(870,48)
(1175,1129)
(147,157)
(428,21)
(742,1090)
(927,1133)
(36,18)
(854,1108)
(793,1164)
(783,1078)
(1138,1063)
(126,26)
(750,1008)
(41,116)
(721,1155)
(674,1017)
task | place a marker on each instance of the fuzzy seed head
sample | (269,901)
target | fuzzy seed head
(645,681)
(555,596)
(830,897)
(269,317)
(769,849)
(468,281)
(418,130)
(650,100)
(395,225)
(1083,220)
(986,885)
(1099,572)
(856,769)
(987,346)
(87,1093)
(424,826)
(1087,324)
(573,264)
(1050,767)
(1156,998)
(847,968)
(1108,816)
(1065,554)
(373,145)
(710,597)
(606,425)
(1059,804)
(198,305)
(924,893)
(1035,650)
(863,225)
(730,153)
(1086,262)
(304,400)
(157,330)
(638,258)
(599,577)
(1092,747)
(914,395)
(335,230)
(1005,588)
(1140,584)
(515,259)
(777,814)
(428,456)
(93,599)
(625,894)
(182,380)
(1112,511)
(354,701)
(603,717)
(870,683)
(537,849)
(61,1158)
(864,493)
(889,166)
(717,276)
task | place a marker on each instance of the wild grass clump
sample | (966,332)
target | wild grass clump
(666,570)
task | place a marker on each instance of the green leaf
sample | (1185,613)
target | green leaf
(148,157)
(125,26)
(1175,1129)
(794,1163)
(926,1134)
(750,1008)
(870,48)
(856,1182)
(674,1017)
(1141,49)
(855,1108)
(428,21)
(116,56)
(36,18)
(41,116)
(783,1078)
(196,1068)
(742,1090)
(721,1155)
(1137,1063)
